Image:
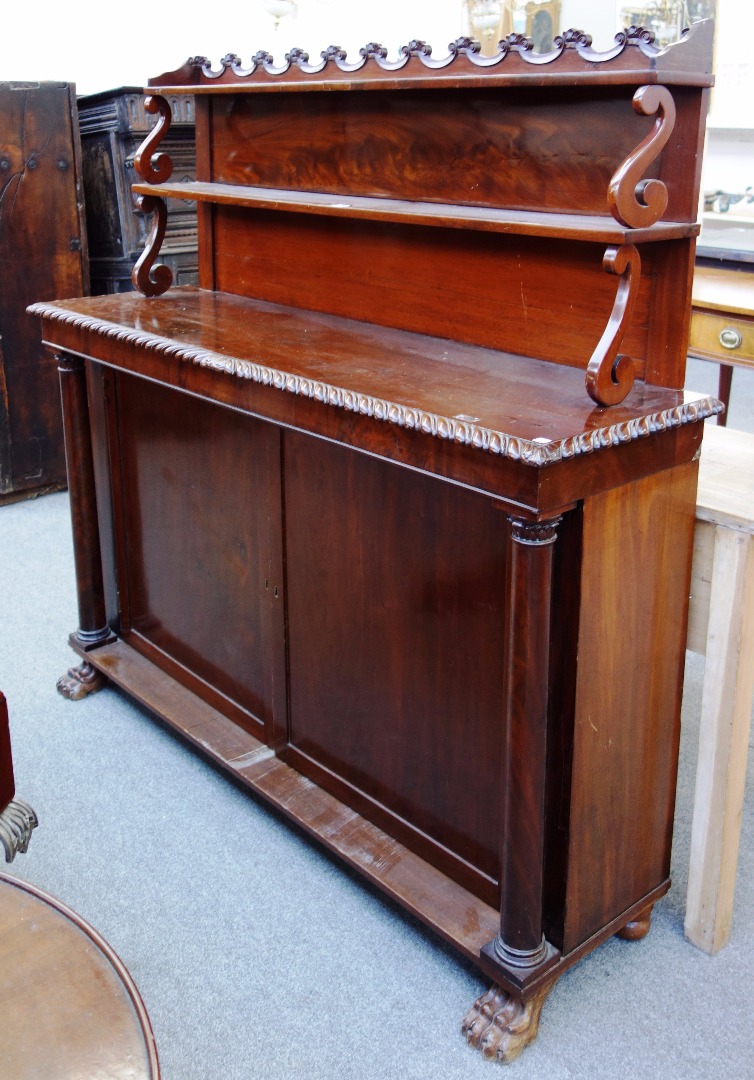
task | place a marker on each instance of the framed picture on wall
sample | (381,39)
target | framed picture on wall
(542,23)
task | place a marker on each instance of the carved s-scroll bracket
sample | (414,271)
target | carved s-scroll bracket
(152,167)
(610,375)
(149,279)
(635,202)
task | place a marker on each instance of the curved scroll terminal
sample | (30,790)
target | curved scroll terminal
(610,376)
(152,167)
(147,278)
(635,202)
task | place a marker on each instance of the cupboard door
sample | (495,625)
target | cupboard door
(395,599)
(200,587)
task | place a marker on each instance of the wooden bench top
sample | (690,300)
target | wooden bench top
(726,478)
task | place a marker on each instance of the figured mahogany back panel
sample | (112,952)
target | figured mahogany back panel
(530,149)
(517,147)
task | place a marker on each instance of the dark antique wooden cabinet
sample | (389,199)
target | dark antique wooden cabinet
(113,125)
(392,516)
(42,256)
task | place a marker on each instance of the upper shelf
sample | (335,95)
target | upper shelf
(598,228)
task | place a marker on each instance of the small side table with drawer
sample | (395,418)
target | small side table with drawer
(722,323)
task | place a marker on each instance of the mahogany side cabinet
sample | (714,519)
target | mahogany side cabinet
(392,515)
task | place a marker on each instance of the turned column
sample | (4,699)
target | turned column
(93,629)
(521,945)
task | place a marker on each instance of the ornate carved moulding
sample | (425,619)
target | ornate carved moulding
(634,54)
(531,452)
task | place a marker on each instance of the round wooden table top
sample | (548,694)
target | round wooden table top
(68,1006)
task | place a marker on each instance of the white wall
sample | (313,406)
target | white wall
(99,47)
(84,42)
(81,41)
(733,96)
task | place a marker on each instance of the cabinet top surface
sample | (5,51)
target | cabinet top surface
(634,58)
(515,406)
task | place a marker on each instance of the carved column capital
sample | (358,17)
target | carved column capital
(68,362)
(535,532)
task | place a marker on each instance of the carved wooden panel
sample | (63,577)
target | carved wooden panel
(42,256)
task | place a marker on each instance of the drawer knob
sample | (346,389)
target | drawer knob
(730,338)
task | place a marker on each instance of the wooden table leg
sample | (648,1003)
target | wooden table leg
(725,383)
(723,742)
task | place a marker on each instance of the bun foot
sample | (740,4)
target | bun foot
(638,927)
(500,1026)
(80,681)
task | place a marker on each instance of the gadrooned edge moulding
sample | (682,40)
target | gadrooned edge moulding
(529,452)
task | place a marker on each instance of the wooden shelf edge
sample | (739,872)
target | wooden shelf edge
(557,225)
(453,912)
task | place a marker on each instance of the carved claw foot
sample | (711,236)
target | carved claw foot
(80,681)
(500,1025)
(16,823)
(638,927)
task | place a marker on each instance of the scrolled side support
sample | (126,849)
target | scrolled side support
(152,167)
(634,201)
(149,279)
(610,374)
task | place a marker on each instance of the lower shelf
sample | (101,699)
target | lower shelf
(452,911)
(456,914)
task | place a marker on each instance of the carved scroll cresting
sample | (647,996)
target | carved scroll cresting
(148,278)
(610,374)
(633,201)
(152,167)
(511,50)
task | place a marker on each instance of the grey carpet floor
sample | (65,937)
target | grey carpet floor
(259,956)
